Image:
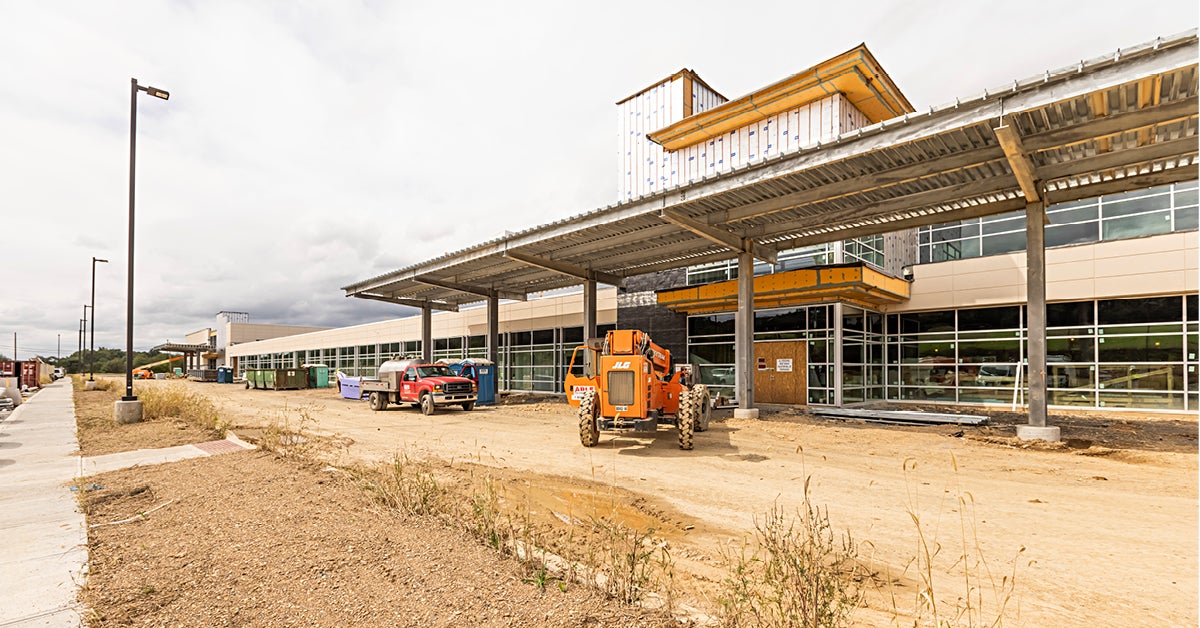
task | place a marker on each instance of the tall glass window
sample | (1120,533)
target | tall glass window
(1112,353)
(1150,211)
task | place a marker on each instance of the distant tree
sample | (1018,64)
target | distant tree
(4,358)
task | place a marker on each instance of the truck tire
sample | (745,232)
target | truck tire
(703,402)
(468,405)
(427,407)
(589,411)
(378,401)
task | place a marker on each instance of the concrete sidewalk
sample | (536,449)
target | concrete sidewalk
(43,535)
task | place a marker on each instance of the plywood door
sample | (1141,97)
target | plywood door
(773,381)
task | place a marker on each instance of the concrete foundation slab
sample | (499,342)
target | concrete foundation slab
(128,411)
(1047,433)
(745,413)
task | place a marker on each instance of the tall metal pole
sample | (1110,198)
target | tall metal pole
(129,396)
(92,342)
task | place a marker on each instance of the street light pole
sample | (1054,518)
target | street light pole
(92,345)
(129,409)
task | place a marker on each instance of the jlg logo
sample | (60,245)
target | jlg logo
(620,365)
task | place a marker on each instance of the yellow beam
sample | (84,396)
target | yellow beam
(855,74)
(1099,102)
(857,284)
(1019,161)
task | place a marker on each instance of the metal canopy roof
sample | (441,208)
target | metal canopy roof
(1115,123)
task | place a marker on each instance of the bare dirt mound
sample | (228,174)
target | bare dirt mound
(297,544)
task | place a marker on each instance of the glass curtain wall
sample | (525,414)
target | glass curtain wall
(862,355)
(1150,211)
(1110,353)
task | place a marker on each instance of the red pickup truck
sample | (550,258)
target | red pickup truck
(426,386)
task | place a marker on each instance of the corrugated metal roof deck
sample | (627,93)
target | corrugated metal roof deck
(1111,124)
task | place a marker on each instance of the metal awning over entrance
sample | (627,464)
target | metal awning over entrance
(1116,123)
(1120,122)
(853,283)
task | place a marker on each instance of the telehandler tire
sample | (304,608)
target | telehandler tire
(685,419)
(703,401)
(589,411)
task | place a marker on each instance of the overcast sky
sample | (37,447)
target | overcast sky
(308,145)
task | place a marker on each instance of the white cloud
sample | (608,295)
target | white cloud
(309,145)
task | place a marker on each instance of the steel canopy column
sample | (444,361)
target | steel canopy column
(493,329)
(589,309)
(743,340)
(1035,247)
(427,333)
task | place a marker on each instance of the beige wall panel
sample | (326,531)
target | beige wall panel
(1076,290)
(1133,285)
(999,278)
(1162,264)
(198,337)
(1071,271)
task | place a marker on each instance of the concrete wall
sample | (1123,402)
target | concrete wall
(1160,264)
(558,311)
(198,337)
(248,332)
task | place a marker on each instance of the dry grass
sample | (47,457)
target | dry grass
(796,572)
(98,433)
(177,401)
(987,597)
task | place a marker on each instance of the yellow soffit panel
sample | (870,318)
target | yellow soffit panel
(853,284)
(855,74)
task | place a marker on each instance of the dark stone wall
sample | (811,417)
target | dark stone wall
(637,308)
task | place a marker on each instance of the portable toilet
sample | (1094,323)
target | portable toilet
(224,375)
(178,372)
(482,372)
(318,375)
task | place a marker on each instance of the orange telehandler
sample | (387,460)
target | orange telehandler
(626,384)
(145,371)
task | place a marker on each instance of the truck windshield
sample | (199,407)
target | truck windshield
(434,371)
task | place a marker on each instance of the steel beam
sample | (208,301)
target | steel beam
(566,268)
(1035,225)
(1018,161)
(493,330)
(858,185)
(427,334)
(420,303)
(743,330)
(477,291)
(722,237)
(589,309)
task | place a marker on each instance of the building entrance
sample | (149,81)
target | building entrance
(781,369)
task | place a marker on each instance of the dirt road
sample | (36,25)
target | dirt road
(1109,535)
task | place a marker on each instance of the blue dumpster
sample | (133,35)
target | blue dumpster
(224,375)
(482,372)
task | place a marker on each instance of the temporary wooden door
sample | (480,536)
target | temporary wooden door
(781,372)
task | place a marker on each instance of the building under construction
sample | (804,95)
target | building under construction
(821,241)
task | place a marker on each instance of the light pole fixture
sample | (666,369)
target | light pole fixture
(92,345)
(129,409)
